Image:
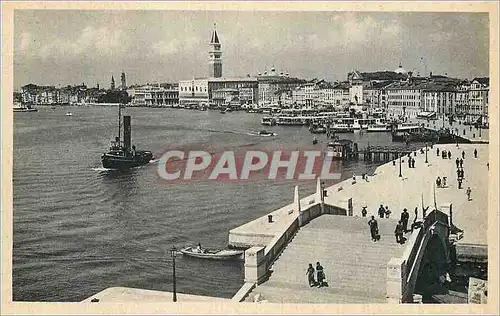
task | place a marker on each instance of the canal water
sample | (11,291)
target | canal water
(79,229)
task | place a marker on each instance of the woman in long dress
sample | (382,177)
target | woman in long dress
(310,275)
(320,274)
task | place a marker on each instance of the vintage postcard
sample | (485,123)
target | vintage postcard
(249,157)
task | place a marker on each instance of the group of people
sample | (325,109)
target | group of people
(444,153)
(411,162)
(316,277)
(400,230)
(382,212)
(441,183)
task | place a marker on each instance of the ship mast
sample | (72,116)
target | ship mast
(119,122)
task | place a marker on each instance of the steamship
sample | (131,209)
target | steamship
(121,154)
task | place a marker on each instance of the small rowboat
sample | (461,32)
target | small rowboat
(212,254)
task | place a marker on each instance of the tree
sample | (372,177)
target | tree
(114,97)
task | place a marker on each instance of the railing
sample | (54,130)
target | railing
(415,250)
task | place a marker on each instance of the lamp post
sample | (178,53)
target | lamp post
(173,253)
(426,161)
(400,165)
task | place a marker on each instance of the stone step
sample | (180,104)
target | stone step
(358,287)
(306,294)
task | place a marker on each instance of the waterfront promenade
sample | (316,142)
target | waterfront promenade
(387,188)
(356,267)
(472,134)
(132,295)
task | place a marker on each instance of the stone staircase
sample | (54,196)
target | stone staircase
(354,265)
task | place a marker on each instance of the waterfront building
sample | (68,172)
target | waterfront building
(159,95)
(356,94)
(439,98)
(478,98)
(462,98)
(404,99)
(272,85)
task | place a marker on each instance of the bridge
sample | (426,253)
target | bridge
(328,227)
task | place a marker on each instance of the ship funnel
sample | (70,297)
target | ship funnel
(127,131)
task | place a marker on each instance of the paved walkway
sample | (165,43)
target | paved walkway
(355,266)
(387,188)
(127,295)
(471,133)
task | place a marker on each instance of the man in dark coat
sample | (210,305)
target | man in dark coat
(398,232)
(404,220)
(457,162)
(461,162)
(381,211)
(373,228)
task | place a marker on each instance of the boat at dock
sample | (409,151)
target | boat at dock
(341,128)
(122,155)
(223,254)
(268,121)
(340,149)
(19,107)
(317,128)
(378,128)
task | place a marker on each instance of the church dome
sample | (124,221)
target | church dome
(400,70)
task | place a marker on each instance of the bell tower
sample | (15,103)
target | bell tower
(215,56)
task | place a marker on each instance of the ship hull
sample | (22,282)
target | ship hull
(110,161)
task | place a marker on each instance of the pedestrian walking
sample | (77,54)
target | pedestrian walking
(449,154)
(404,219)
(475,153)
(320,274)
(488,165)
(461,163)
(413,163)
(310,275)
(463,154)
(364,211)
(373,228)
(353,178)
(444,182)
(398,232)
(387,212)
(468,192)
(460,183)
(438,182)
(437,151)
(457,162)
(462,173)
(381,211)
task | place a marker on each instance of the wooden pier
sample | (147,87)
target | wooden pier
(385,153)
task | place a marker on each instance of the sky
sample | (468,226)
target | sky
(61,47)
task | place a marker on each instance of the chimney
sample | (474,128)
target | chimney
(126,131)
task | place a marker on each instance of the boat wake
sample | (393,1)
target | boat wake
(101,169)
(254,133)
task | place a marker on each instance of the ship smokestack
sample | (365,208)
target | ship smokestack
(127,131)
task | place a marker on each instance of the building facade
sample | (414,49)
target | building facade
(403,100)
(479,98)
(154,96)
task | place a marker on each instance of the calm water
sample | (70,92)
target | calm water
(79,229)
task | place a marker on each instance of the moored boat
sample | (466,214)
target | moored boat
(268,120)
(378,128)
(223,254)
(19,107)
(342,128)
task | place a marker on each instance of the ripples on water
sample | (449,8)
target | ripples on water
(79,228)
